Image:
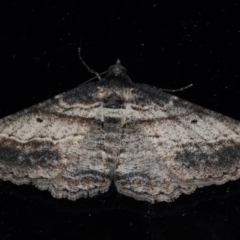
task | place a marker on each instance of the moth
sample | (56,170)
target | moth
(151,145)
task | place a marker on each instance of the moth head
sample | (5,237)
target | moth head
(117,69)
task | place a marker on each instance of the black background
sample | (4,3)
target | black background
(165,44)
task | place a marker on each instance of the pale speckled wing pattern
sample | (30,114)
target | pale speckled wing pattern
(56,145)
(152,145)
(177,146)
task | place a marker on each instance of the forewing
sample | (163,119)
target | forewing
(182,147)
(56,145)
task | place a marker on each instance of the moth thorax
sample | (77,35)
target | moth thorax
(113,101)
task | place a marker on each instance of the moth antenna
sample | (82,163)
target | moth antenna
(87,67)
(93,78)
(176,90)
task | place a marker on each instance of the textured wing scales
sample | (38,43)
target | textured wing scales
(182,147)
(142,173)
(168,146)
(56,146)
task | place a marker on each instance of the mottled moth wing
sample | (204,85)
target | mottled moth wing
(57,145)
(154,146)
(173,146)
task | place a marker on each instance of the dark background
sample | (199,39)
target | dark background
(168,45)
